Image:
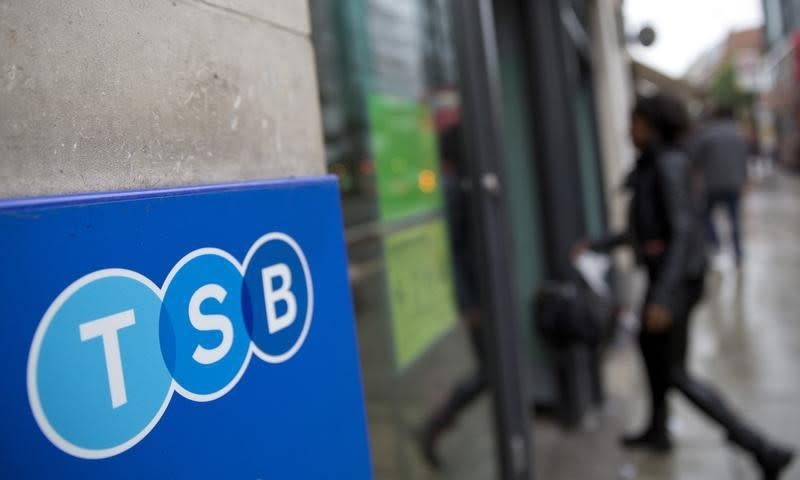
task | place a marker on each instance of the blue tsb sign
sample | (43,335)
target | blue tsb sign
(203,332)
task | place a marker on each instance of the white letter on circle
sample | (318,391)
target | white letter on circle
(107,328)
(272,297)
(204,322)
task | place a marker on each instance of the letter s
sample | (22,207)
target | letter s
(205,322)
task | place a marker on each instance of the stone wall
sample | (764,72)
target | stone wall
(98,95)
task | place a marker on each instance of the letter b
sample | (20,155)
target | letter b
(275,322)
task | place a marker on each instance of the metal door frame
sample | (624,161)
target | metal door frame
(482,103)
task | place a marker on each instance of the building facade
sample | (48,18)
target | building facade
(396,80)
(782,69)
(522,105)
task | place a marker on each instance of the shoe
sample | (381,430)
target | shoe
(654,440)
(773,460)
(426,442)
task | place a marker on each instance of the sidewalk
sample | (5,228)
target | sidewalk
(746,339)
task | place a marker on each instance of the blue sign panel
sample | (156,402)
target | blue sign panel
(204,332)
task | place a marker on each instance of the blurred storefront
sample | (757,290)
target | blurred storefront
(396,80)
(388,86)
(782,68)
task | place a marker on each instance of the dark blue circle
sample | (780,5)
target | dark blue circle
(274,251)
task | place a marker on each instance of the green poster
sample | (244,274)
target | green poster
(405,155)
(421,288)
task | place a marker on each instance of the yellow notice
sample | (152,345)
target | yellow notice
(420,288)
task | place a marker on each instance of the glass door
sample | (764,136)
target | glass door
(391,114)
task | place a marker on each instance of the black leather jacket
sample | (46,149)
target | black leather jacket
(663,222)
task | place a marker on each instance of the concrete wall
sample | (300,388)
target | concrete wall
(614,94)
(615,97)
(100,95)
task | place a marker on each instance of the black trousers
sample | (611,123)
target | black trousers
(664,355)
(466,391)
(730,201)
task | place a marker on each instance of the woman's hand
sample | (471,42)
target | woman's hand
(657,318)
(580,248)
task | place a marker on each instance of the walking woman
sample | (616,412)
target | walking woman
(668,242)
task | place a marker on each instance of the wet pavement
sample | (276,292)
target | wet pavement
(746,340)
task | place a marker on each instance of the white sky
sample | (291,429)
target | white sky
(686,28)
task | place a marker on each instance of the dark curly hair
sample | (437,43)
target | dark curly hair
(666,114)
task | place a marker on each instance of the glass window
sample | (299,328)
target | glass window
(391,114)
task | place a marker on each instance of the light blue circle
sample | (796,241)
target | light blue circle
(72,377)
(180,340)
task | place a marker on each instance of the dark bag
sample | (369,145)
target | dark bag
(571,312)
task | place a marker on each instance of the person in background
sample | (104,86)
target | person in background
(663,231)
(466,276)
(720,152)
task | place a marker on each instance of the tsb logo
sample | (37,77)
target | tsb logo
(113,346)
